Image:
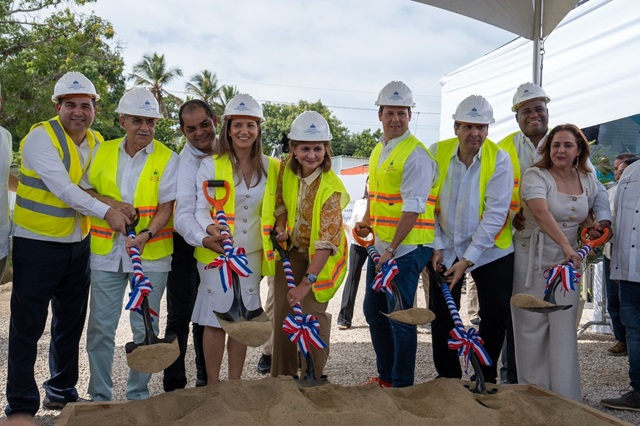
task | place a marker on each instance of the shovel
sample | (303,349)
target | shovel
(468,343)
(557,276)
(302,329)
(153,354)
(249,327)
(384,281)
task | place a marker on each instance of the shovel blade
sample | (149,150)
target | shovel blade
(533,304)
(253,333)
(154,357)
(412,316)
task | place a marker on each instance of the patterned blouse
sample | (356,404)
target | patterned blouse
(330,215)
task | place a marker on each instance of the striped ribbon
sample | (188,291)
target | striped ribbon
(389,269)
(302,329)
(140,284)
(233,260)
(462,340)
(565,272)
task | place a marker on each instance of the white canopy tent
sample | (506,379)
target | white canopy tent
(591,70)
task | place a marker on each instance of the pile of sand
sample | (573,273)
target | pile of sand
(280,401)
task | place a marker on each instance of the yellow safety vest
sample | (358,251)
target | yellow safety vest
(447,149)
(332,275)
(224,171)
(36,208)
(385,206)
(103,179)
(508,145)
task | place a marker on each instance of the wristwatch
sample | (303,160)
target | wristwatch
(392,251)
(469,263)
(147,231)
(312,278)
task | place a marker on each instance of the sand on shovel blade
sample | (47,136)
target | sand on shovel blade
(252,333)
(153,358)
(527,301)
(413,316)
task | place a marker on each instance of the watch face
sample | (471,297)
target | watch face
(311,278)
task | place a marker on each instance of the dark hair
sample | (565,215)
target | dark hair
(294,164)
(192,105)
(629,161)
(580,162)
(625,156)
(60,99)
(225,146)
(366,190)
(382,108)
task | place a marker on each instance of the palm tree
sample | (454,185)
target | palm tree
(204,86)
(226,93)
(153,71)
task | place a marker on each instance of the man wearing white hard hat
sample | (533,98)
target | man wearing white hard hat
(51,248)
(134,172)
(198,125)
(474,232)
(402,178)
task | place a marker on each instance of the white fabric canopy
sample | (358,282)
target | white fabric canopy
(591,71)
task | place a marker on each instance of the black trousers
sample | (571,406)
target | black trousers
(495,284)
(46,272)
(357,256)
(182,288)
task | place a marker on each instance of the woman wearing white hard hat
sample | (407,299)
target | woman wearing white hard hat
(309,205)
(237,159)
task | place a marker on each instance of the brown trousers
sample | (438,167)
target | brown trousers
(285,352)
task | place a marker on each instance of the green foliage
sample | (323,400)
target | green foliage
(279,118)
(152,72)
(36,52)
(204,86)
(225,94)
(364,142)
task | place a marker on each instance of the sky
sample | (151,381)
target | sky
(341,52)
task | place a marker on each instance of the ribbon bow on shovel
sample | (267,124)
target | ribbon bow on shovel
(558,275)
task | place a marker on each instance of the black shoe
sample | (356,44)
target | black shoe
(59,404)
(200,383)
(264,365)
(628,401)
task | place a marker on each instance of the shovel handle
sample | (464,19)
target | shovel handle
(218,203)
(150,337)
(364,243)
(598,241)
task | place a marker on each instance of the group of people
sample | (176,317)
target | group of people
(452,204)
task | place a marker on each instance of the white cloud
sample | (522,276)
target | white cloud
(341,52)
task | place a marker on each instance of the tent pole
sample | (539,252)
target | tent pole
(537,38)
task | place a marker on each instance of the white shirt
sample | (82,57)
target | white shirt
(5,169)
(39,155)
(185,221)
(127,176)
(461,232)
(612,196)
(247,231)
(419,173)
(357,214)
(529,154)
(625,256)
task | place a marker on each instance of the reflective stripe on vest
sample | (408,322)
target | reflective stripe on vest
(332,275)
(224,171)
(508,144)
(37,209)
(103,179)
(386,200)
(446,149)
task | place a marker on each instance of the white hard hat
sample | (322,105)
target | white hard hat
(310,127)
(139,102)
(526,92)
(474,109)
(395,93)
(74,83)
(243,104)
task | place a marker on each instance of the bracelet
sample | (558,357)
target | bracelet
(147,231)
(392,251)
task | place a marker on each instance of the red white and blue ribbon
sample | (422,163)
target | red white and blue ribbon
(302,329)
(382,280)
(462,340)
(233,260)
(565,272)
(140,284)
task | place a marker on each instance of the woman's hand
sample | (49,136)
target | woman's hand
(281,235)
(570,255)
(295,295)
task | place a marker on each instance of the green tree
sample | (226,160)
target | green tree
(224,96)
(35,52)
(152,71)
(279,118)
(364,142)
(204,86)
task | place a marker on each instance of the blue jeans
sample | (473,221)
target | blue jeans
(630,315)
(394,343)
(613,301)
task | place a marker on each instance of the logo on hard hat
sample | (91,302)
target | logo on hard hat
(76,85)
(312,130)
(474,113)
(241,107)
(147,106)
(396,96)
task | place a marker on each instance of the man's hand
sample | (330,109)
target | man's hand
(140,240)
(363,229)
(519,220)
(117,220)
(596,231)
(456,272)
(436,260)
(383,258)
